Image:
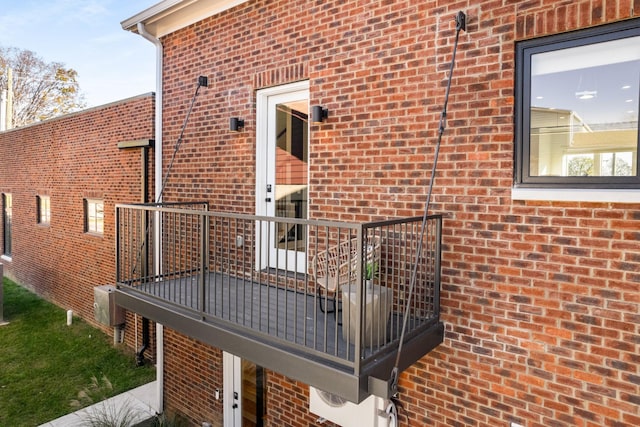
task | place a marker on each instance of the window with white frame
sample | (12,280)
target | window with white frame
(7,221)
(577,102)
(44,209)
(94,216)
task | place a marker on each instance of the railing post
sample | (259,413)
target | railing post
(437,255)
(144,246)
(360,301)
(204,257)
(158,226)
(118,249)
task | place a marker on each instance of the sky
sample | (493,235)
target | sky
(85,35)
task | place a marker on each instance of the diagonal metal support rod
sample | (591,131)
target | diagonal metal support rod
(461,24)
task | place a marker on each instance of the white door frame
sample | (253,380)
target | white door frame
(265,141)
(231,390)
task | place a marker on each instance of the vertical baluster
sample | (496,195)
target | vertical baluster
(204,242)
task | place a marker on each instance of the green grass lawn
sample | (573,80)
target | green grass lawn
(44,363)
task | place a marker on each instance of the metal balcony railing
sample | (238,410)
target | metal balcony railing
(301,286)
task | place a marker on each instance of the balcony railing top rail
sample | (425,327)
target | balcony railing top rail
(332,291)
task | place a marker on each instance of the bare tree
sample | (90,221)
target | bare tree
(41,90)
(580,166)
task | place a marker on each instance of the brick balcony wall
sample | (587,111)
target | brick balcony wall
(71,158)
(540,299)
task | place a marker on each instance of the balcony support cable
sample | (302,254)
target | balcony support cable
(143,250)
(460,25)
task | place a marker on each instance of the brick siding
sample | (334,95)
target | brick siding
(540,299)
(71,158)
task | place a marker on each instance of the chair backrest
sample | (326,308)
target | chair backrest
(338,264)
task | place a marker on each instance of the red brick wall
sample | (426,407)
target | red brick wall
(194,373)
(540,299)
(71,158)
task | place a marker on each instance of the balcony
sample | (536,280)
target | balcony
(287,294)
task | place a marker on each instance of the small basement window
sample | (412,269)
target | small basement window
(94,216)
(44,210)
(577,102)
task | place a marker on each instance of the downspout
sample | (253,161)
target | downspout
(158,188)
(145,342)
(144,184)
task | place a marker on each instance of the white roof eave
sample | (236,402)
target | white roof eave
(169,16)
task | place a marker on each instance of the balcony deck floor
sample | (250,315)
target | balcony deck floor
(285,314)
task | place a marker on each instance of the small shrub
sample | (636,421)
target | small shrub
(95,392)
(105,414)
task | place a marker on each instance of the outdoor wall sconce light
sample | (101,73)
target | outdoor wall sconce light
(319,113)
(235,124)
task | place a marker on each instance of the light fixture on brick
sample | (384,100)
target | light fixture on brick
(319,113)
(235,124)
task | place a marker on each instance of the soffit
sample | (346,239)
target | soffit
(169,16)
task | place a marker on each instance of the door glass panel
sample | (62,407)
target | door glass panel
(253,395)
(291,173)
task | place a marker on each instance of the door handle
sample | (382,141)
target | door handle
(268,199)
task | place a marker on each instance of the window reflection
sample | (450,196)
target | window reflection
(291,172)
(584,110)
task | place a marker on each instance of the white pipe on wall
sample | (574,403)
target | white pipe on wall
(158,188)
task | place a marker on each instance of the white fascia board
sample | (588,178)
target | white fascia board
(169,16)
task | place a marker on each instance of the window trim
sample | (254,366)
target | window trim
(524,51)
(87,222)
(597,195)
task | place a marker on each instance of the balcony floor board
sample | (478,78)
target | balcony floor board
(285,314)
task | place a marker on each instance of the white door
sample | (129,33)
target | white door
(231,390)
(244,391)
(282,174)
